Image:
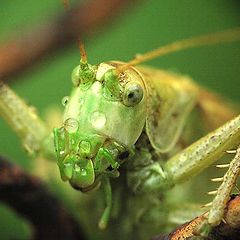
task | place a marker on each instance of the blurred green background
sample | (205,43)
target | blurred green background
(145,26)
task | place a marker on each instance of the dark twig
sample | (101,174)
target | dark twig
(21,53)
(227,230)
(29,197)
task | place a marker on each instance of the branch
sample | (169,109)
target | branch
(19,54)
(227,230)
(29,197)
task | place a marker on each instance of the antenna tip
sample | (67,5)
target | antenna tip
(82,52)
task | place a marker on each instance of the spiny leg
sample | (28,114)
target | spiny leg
(218,206)
(185,164)
(223,193)
(219,203)
(25,123)
(204,152)
(201,154)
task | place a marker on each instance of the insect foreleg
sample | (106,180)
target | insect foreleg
(25,122)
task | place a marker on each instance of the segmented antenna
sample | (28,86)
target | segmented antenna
(204,40)
(83,53)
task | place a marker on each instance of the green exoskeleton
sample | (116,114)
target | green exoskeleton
(126,120)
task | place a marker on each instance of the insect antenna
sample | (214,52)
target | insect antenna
(230,35)
(83,53)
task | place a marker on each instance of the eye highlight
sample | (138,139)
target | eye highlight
(133,94)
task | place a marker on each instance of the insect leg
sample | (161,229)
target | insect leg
(204,152)
(25,122)
(108,194)
(223,193)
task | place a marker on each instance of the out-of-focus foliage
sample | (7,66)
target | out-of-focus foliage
(146,26)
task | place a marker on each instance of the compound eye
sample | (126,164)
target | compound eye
(133,94)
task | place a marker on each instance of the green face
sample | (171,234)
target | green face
(103,118)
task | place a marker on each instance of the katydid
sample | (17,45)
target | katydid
(124,116)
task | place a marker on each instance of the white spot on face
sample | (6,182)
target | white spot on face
(98,119)
(96,87)
(83,172)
